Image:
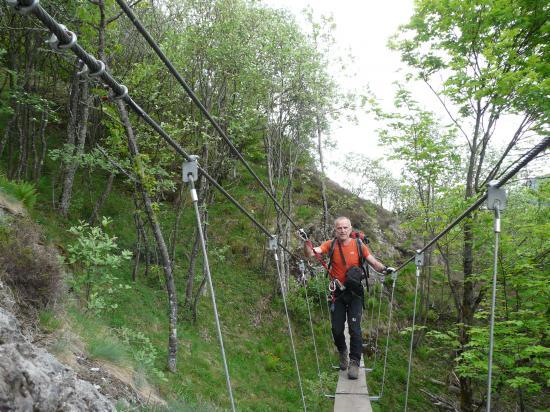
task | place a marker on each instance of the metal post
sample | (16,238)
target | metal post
(496,200)
(419,261)
(190,174)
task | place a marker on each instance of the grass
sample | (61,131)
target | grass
(251,312)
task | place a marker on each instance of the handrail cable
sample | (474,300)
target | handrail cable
(190,178)
(303,280)
(121,92)
(376,398)
(527,157)
(496,201)
(378,321)
(143,31)
(419,260)
(322,304)
(272,245)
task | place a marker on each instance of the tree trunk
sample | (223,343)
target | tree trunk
(76,135)
(99,204)
(326,233)
(166,263)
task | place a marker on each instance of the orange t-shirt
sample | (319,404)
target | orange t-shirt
(338,268)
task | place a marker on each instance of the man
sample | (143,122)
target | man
(346,303)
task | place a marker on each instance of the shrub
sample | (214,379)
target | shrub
(96,255)
(30,268)
(22,191)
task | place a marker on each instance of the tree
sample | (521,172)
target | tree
(491,56)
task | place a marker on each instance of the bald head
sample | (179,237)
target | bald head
(342,228)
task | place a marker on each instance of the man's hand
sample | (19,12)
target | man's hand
(303,235)
(389,270)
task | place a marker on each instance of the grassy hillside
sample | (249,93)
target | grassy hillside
(132,336)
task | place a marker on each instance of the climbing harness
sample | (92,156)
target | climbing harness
(190,174)
(272,245)
(303,281)
(496,200)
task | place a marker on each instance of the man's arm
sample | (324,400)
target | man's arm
(379,267)
(308,251)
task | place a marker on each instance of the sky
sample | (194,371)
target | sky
(363,27)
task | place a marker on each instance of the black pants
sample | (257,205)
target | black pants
(350,306)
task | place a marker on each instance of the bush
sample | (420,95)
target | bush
(27,266)
(22,191)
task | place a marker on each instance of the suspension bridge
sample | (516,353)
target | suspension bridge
(351,395)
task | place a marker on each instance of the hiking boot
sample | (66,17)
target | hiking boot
(344,360)
(353,370)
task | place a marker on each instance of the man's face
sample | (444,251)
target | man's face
(343,229)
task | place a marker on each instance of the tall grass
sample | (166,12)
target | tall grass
(23,191)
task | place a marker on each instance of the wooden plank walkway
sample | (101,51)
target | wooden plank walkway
(352,395)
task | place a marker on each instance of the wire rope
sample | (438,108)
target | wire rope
(381,281)
(412,337)
(493,305)
(97,67)
(375,398)
(526,158)
(276,257)
(304,282)
(323,305)
(195,199)
(143,31)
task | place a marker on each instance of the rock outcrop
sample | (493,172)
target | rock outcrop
(31,379)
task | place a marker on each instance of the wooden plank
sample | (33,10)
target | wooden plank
(352,395)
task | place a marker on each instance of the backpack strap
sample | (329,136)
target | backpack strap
(331,252)
(363,261)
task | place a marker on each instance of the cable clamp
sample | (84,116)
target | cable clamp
(86,70)
(18,7)
(189,170)
(53,41)
(302,234)
(113,96)
(419,258)
(272,243)
(496,196)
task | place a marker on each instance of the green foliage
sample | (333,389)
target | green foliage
(95,255)
(22,191)
(49,321)
(142,349)
(108,348)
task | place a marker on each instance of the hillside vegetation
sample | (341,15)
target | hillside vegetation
(100,246)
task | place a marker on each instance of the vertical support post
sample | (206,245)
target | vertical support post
(190,174)
(419,261)
(496,200)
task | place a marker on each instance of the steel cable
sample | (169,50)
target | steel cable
(290,334)
(375,398)
(143,31)
(304,281)
(120,91)
(527,157)
(195,199)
